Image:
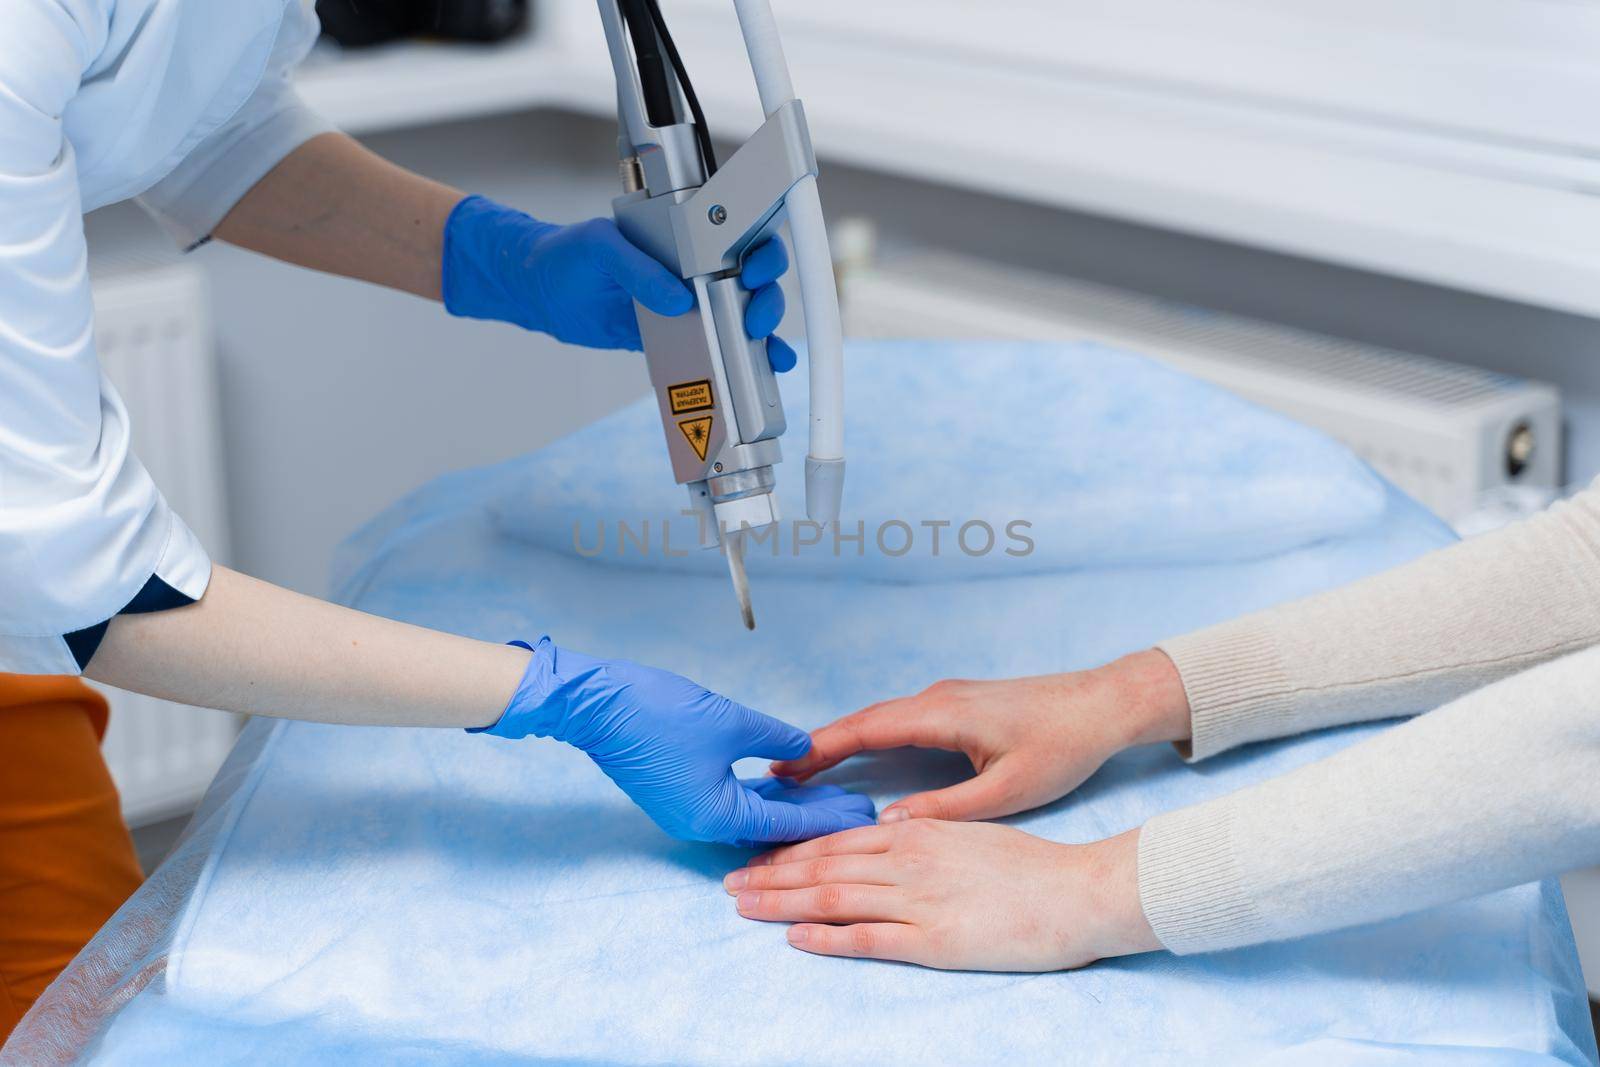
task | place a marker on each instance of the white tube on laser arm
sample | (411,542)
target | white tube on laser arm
(814,268)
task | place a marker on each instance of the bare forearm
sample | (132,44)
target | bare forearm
(333,206)
(251,647)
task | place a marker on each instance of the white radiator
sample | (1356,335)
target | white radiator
(153,329)
(1444,433)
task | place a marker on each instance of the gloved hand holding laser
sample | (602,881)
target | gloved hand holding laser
(578,283)
(711,225)
(670,745)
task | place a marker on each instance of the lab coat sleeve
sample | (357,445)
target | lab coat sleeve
(83,529)
(1495,789)
(273,122)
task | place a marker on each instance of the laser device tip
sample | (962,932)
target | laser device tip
(733,546)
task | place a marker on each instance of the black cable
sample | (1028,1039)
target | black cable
(653,83)
(708,154)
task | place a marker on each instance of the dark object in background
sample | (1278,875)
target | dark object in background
(357,23)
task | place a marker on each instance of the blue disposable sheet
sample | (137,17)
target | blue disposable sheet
(407,896)
(1104,458)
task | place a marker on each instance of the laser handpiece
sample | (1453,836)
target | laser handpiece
(718,397)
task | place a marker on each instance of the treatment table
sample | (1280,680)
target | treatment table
(430,897)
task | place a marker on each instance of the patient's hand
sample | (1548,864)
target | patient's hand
(960,896)
(1031,740)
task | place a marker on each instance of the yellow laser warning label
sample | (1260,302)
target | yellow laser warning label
(690,396)
(698,434)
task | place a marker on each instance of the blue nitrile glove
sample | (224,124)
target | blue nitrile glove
(578,283)
(670,745)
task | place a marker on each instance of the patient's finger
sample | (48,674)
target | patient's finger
(865,841)
(893,723)
(860,870)
(824,904)
(878,941)
(988,796)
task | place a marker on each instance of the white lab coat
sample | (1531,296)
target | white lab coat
(185,104)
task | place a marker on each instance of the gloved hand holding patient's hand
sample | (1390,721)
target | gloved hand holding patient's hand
(578,283)
(1030,740)
(670,745)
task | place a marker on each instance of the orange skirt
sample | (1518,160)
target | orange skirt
(66,859)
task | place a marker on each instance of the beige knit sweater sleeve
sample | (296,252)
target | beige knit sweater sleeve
(1281,859)
(1403,641)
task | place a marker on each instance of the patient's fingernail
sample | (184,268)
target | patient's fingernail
(894,815)
(748,901)
(736,881)
(798,934)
